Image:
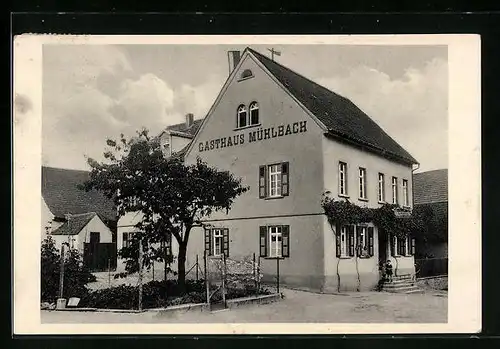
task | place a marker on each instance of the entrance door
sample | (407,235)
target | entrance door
(382,251)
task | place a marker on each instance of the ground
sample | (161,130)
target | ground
(297,306)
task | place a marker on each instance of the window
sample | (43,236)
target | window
(402,246)
(217,241)
(362,183)
(126,240)
(342,178)
(166,147)
(405,193)
(381,187)
(274,180)
(254,113)
(274,241)
(247,73)
(242,116)
(343,242)
(166,246)
(394,190)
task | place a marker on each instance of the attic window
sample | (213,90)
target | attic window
(246,74)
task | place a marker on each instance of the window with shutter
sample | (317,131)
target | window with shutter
(285,178)
(274,179)
(225,233)
(359,247)
(208,249)
(370,241)
(338,240)
(263,241)
(262,182)
(285,241)
(350,232)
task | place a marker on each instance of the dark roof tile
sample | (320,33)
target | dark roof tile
(430,187)
(62,195)
(337,113)
(74,224)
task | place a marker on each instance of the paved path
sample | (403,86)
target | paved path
(298,306)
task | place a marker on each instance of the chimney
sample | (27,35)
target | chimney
(189,120)
(234,58)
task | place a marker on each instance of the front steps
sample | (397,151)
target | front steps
(402,284)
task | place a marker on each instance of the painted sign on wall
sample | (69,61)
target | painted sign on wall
(254,136)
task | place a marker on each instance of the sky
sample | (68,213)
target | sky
(94,92)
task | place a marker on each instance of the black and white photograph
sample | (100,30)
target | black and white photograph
(273,183)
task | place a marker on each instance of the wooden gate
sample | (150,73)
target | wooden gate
(100,256)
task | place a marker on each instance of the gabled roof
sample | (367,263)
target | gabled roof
(430,187)
(74,224)
(340,116)
(183,131)
(62,195)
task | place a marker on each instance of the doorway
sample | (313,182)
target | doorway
(382,252)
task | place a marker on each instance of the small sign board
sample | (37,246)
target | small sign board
(73,302)
(402,213)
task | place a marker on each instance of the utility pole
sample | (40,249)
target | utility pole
(274,52)
(61,273)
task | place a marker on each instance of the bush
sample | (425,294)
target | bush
(159,294)
(76,274)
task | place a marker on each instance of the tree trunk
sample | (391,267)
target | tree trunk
(181,267)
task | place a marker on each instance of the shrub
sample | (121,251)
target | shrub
(76,274)
(159,294)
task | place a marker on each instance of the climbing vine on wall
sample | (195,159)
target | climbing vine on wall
(341,212)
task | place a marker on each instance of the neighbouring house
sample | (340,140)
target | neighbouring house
(430,193)
(84,220)
(174,140)
(291,140)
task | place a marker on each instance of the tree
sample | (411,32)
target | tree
(171,196)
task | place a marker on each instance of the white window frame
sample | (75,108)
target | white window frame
(274,180)
(396,250)
(275,234)
(381,187)
(342,178)
(362,183)
(406,199)
(253,106)
(394,190)
(242,108)
(129,236)
(217,235)
(344,244)
(364,237)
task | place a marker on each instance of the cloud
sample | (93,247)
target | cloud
(91,93)
(412,109)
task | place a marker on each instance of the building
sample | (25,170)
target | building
(430,191)
(84,220)
(291,140)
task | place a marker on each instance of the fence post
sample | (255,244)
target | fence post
(254,269)
(61,272)
(196,267)
(224,280)
(278,274)
(109,272)
(258,274)
(207,286)
(140,274)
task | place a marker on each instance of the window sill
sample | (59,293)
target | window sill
(245,78)
(365,257)
(345,196)
(274,197)
(382,202)
(406,207)
(248,126)
(275,258)
(363,199)
(345,257)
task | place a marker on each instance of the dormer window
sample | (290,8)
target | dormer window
(242,116)
(254,113)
